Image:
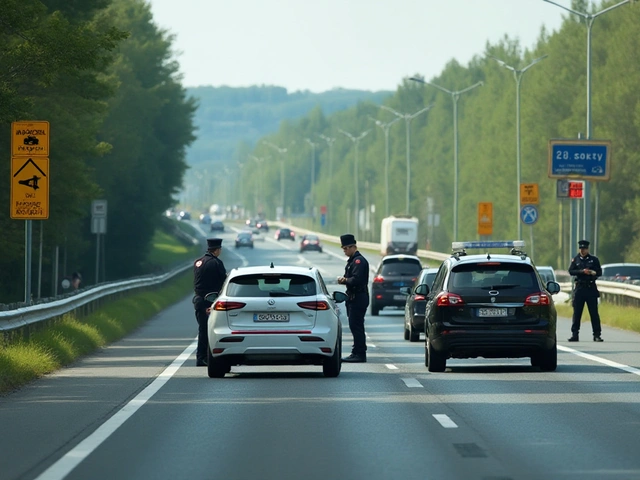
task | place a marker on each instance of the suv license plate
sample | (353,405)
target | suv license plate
(492,312)
(270,317)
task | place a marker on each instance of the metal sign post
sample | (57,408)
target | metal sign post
(98,227)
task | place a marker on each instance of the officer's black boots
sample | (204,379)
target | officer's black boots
(355,358)
(574,338)
(597,338)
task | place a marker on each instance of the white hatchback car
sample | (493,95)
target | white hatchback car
(275,316)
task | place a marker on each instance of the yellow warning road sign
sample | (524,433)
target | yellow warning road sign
(485,218)
(529,194)
(30,138)
(29,188)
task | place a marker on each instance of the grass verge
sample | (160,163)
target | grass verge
(626,318)
(51,348)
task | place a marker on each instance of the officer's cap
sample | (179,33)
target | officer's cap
(583,244)
(214,243)
(347,239)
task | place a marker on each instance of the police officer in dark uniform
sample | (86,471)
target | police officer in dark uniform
(586,268)
(356,278)
(208,276)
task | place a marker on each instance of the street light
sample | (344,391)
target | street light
(407,118)
(455,96)
(518,76)
(590,17)
(329,141)
(260,161)
(313,169)
(281,151)
(356,141)
(385,128)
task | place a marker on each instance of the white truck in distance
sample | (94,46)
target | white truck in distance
(399,234)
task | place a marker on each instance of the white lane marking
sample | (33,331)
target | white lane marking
(604,361)
(412,383)
(391,367)
(73,458)
(444,420)
(245,262)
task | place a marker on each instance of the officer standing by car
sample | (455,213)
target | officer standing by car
(208,276)
(586,268)
(356,278)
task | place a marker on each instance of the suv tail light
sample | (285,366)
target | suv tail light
(446,299)
(222,306)
(378,279)
(314,305)
(419,298)
(538,298)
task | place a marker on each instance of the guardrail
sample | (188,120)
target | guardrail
(82,303)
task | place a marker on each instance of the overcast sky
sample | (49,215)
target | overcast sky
(318,45)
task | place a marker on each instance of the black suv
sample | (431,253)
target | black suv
(393,273)
(490,305)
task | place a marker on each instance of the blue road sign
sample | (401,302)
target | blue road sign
(583,159)
(529,214)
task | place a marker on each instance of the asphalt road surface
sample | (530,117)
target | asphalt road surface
(140,409)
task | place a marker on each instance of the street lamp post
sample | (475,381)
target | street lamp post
(518,76)
(282,151)
(455,96)
(385,128)
(313,174)
(590,18)
(407,119)
(329,141)
(356,142)
(260,161)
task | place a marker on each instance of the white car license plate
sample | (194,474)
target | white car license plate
(399,297)
(270,317)
(492,312)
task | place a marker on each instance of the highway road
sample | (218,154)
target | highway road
(140,409)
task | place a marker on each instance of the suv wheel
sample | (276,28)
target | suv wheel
(331,366)
(435,361)
(414,335)
(407,333)
(375,310)
(216,368)
(548,359)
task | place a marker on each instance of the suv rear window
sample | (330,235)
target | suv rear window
(493,275)
(282,285)
(400,267)
(630,271)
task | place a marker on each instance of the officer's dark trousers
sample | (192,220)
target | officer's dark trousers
(590,297)
(201,305)
(356,310)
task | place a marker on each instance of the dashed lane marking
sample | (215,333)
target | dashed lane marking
(444,420)
(412,383)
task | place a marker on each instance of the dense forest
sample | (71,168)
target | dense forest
(553,106)
(102,74)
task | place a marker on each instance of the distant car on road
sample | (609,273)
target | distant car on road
(262,225)
(244,239)
(205,218)
(285,233)
(217,226)
(184,215)
(393,272)
(310,242)
(547,273)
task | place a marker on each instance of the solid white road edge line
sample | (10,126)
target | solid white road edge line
(412,383)
(604,361)
(444,420)
(74,457)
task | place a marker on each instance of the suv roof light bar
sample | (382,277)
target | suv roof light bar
(488,244)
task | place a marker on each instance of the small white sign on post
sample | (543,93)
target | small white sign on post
(99,208)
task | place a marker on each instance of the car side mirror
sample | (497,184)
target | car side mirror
(211,296)
(340,297)
(422,289)
(405,290)
(553,287)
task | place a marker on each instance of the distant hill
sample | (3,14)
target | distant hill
(227,116)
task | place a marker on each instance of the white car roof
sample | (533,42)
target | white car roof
(462,259)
